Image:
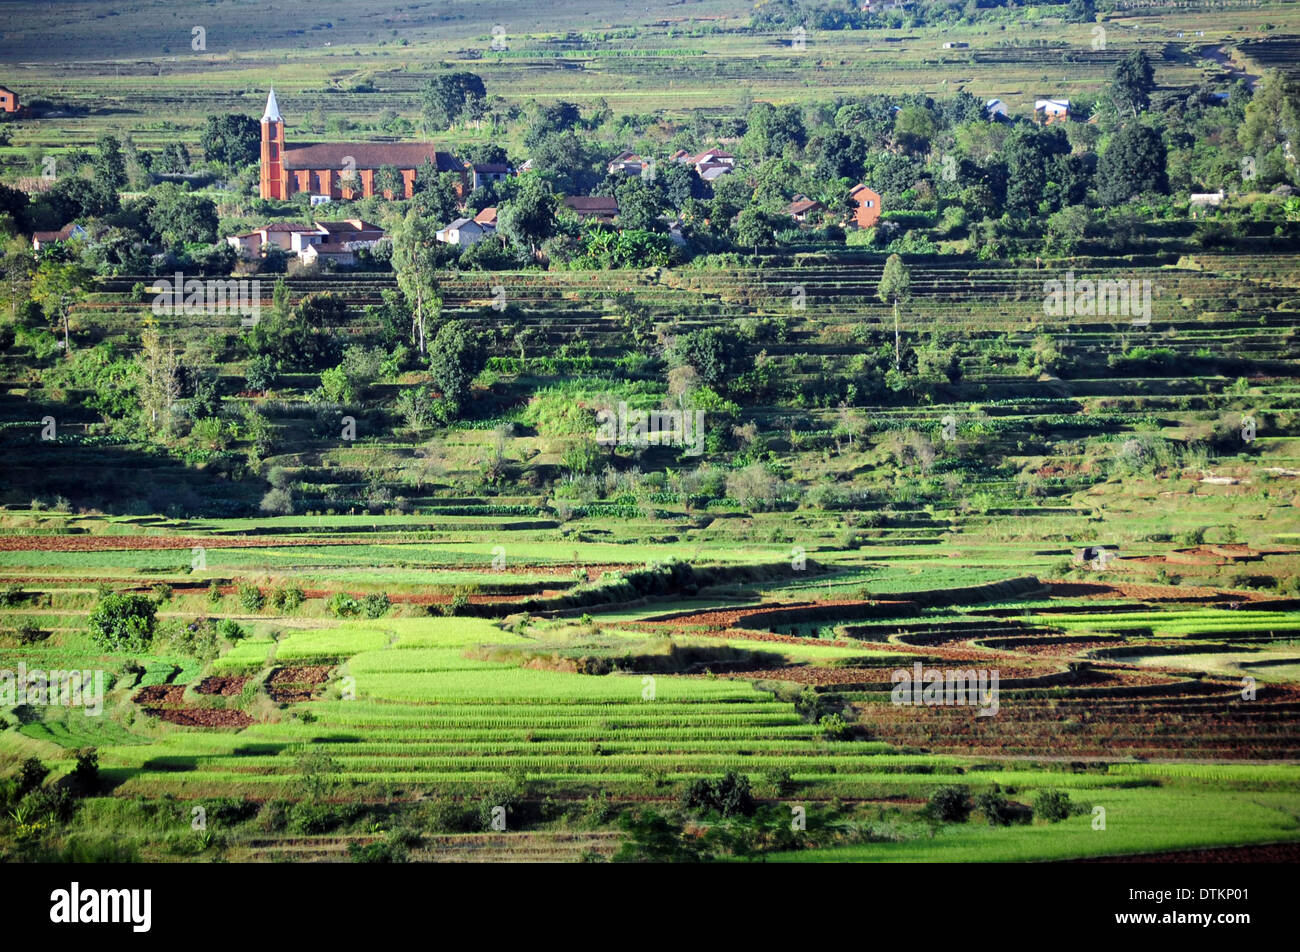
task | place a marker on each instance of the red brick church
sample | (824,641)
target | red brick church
(338,170)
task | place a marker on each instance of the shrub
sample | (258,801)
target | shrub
(11,596)
(1052,805)
(28,633)
(343,605)
(229,629)
(251,598)
(834,727)
(123,622)
(277,502)
(951,804)
(286,598)
(375,605)
(781,782)
(729,796)
(214,592)
(84,779)
(31,774)
(1000,811)
(162,591)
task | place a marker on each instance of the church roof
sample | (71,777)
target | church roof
(272,111)
(368,155)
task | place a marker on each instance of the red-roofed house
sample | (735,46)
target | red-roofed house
(42,239)
(801,209)
(867,200)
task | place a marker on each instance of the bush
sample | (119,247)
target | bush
(834,727)
(31,774)
(375,605)
(277,502)
(343,605)
(781,782)
(286,598)
(251,598)
(11,596)
(28,633)
(1052,805)
(123,622)
(729,796)
(951,804)
(1000,811)
(229,629)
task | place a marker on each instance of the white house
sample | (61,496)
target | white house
(463,232)
(1052,110)
(995,108)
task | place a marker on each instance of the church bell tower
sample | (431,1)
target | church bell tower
(272,180)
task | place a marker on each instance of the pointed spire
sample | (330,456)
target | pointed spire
(272,113)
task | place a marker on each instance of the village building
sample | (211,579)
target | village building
(1048,111)
(43,239)
(996,109)
(341,170)
(709,165)
(487,218)
(802,209)
(627,163)
(482,173)
(866,205)
(599,208)
(464,232)
(8,99)
(351,235)
(1201,202)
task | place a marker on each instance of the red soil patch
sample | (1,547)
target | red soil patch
(203,717)
(293,685)
(158,695)
(223,686)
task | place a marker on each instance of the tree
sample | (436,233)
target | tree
(528,219)
(231,140)
(752,227)
(711,352)
(56,287)
(1081,11)
(388,182)
(159,380)
(177,216)
(414,257)
(455,359)
(1132,82)
(446,98)
(895,286)
(123,622)
(1134,162)
(17,265)
(639,205)
(1272,120)
(110,166)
